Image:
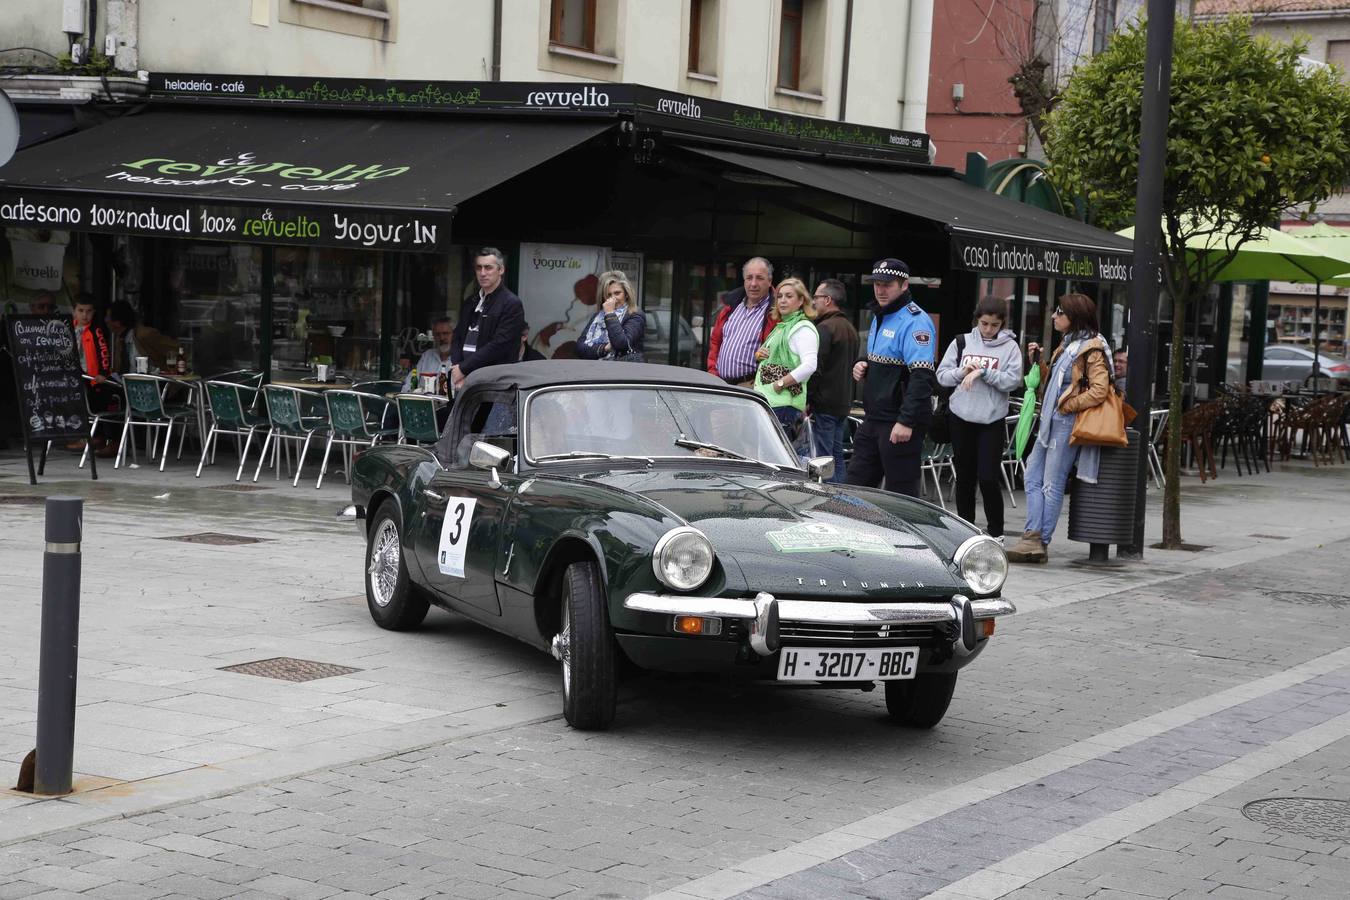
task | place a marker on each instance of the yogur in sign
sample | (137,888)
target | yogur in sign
(239,170)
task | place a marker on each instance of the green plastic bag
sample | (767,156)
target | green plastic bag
(1028,414)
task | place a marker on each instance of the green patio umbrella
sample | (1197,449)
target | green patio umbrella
(1279,256)
(1275,256)
(1032,380)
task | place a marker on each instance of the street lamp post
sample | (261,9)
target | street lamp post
(1143,330)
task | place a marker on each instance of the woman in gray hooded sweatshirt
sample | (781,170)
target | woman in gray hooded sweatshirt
(983,367)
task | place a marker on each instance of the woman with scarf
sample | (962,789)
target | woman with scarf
(616,330)
(788,356)
(1082,353)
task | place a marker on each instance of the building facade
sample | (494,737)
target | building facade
(287,193)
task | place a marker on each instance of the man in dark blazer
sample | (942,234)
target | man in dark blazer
(488,332)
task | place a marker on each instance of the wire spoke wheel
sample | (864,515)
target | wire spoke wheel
(385,556)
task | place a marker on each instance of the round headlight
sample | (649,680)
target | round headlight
(683,558)
(983,564)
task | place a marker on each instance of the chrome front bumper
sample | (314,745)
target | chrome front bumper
(765,610)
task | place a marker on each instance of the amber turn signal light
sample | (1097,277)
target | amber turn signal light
(697,625)
(987,627)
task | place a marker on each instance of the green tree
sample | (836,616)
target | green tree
(1252,135)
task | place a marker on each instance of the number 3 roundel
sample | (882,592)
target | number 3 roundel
(455,535)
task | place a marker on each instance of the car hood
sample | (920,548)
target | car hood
(801,539)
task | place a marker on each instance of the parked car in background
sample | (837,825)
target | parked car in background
(606,512)
(1290,362)
(656,339)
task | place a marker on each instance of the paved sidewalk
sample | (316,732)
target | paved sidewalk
(447,743)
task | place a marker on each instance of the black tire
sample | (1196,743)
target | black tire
(590,658)
(922,701)
(394,602)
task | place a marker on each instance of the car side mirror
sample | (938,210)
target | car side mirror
(820,467)
(488,456)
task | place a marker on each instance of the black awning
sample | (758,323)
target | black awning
(988,233)
(43,123)
(387,182)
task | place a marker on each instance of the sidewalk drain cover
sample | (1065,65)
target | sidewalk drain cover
(21,500)
(286,668)
(1312,817)
(216,538)
(240,488)
(1308,598)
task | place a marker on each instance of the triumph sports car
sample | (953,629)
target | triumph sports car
(601,510)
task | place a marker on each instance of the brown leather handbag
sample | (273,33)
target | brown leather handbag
(1102,425)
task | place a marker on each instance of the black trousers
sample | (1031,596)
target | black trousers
(874,456)
(977,451)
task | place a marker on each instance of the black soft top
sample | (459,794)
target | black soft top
(499,383)
(543,373)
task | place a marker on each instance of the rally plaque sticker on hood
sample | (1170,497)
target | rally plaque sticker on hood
(819,537)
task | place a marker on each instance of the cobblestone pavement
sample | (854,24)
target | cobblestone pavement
(1104,746)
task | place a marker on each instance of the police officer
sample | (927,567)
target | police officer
(897,374)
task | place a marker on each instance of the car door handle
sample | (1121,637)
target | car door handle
(429,493)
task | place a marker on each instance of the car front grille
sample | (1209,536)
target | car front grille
(793,633)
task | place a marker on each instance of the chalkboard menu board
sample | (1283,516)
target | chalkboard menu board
(47,373)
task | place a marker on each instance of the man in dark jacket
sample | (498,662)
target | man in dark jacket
(831,391)
(898,374)
(489,328)
(742,325)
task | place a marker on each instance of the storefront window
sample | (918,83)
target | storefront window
(658,307)
(214,306)
(326,309)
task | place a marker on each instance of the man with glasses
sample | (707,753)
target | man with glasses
(831,392)
(436,361)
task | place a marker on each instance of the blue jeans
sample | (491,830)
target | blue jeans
(830,441)
(787,416)
(1047,474)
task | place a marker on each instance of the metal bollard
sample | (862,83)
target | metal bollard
(60,646)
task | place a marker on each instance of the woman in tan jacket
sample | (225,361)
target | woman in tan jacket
(1083,353)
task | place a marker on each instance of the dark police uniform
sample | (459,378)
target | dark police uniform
(898,387)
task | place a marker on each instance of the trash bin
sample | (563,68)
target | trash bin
(1103,513)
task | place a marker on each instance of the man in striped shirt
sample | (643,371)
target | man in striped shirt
(742,325)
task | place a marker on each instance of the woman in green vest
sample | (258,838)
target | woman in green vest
(788,356)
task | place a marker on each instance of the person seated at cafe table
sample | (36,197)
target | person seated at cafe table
(436,360)
(132,339)
(528,353)
(42,304)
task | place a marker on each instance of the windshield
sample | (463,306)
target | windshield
(651,422)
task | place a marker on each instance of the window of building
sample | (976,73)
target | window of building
(703,16)
(375,19)
(790,46)
(801,49)
(573,24)
(1338,53)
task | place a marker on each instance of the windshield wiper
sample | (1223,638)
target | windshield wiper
(683,441)
(590,454)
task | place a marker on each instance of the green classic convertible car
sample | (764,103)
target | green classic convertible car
(609,510)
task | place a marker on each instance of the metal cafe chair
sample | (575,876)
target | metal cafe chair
(1009,466)
(417,418)
(1157,426)
(289,422)
(385,388)
(936,457)
(357,420)
(146,408)
(230,405)
(115,416)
